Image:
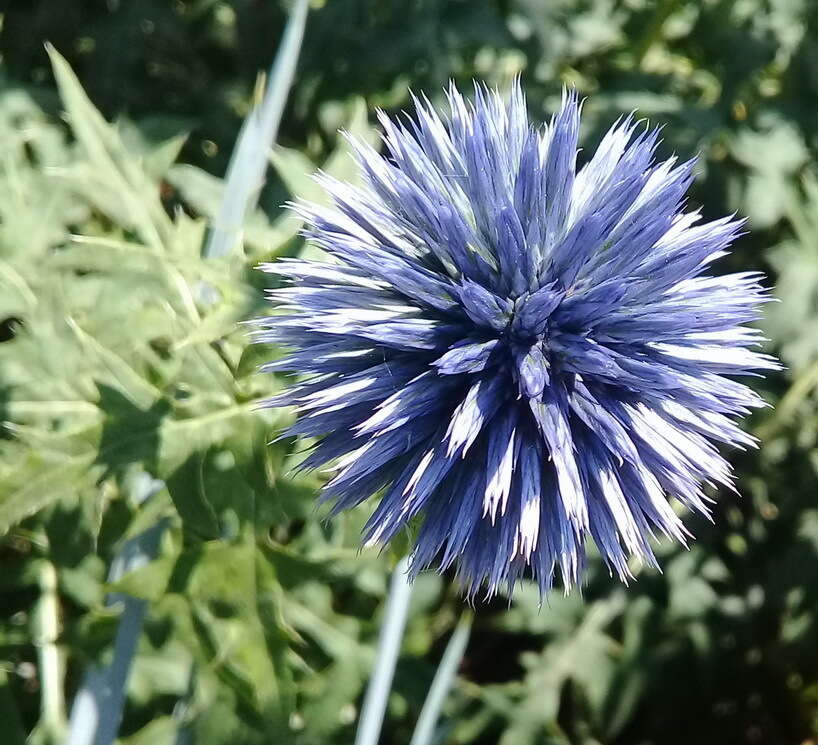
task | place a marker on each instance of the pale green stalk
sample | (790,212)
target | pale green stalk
(243,182)
(389,642)
(444,677)
(50,663)
(97,708)
(248,163)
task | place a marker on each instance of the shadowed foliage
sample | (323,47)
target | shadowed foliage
(129,393)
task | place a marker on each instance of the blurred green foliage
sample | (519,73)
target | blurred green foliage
(128,391)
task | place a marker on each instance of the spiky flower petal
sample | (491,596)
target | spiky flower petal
(516,352)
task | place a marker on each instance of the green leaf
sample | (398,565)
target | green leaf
(220,580)
(39,479)
(160,731)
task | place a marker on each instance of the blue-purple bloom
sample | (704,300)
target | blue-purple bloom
(514,353)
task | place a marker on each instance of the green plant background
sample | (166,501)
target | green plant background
(127,389)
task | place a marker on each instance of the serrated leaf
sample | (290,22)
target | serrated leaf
(39,480)
(121,375)
(114,171)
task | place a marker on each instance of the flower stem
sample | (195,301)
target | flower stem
(444,677)
(389,642)
(248,162)
(52,703)
(97,708)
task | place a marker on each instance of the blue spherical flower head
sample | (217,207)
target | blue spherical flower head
(513,353)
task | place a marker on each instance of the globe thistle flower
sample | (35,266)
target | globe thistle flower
(517,355)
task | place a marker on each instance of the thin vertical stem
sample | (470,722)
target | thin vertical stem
(442,683)
(97,708)
(389,642)
(248,162)
(52,704)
